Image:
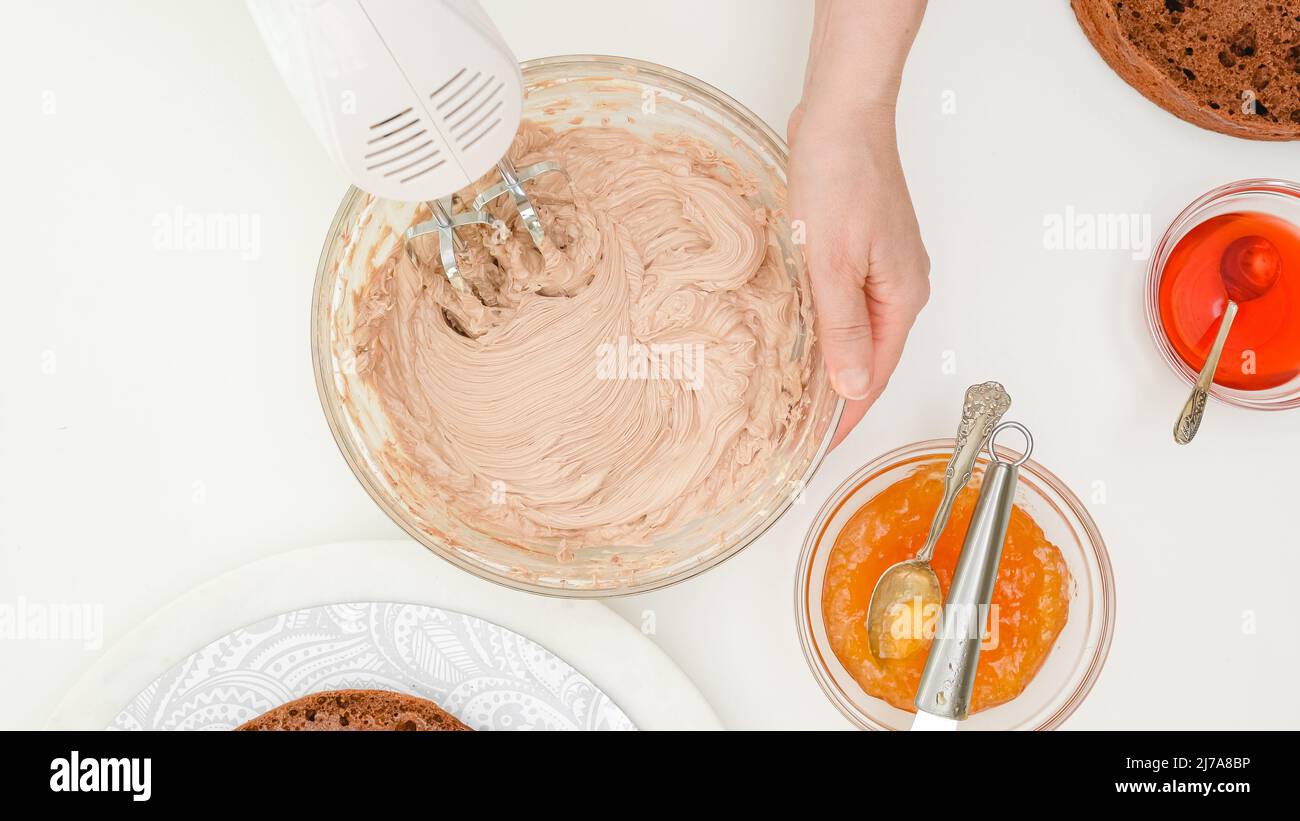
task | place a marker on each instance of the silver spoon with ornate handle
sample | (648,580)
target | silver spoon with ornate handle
(1249,267)
(912,582)
(1189,419)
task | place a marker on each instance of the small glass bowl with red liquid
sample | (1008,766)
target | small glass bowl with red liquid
(1185,296)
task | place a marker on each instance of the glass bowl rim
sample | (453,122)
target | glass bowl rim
(1185,220)
(324,375)
(916,451)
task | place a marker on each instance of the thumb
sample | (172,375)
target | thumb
(843,325)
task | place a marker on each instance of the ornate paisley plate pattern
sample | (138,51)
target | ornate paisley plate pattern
(487,676)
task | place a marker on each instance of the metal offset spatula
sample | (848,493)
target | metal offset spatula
(943,698)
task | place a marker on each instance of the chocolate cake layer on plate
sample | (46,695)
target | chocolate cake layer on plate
(356,710)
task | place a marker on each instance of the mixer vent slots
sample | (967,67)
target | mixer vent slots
(470,106)
(401,146)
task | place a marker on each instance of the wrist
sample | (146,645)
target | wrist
(856,118)
(859,49)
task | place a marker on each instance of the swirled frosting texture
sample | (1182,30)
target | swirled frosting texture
(631,377)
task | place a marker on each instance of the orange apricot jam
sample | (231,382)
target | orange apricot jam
(1031,597)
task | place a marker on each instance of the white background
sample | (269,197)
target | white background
(159,424)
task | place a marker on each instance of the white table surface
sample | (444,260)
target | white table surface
(159,423)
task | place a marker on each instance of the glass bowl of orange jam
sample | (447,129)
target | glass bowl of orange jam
(1185,298)
(1053,605)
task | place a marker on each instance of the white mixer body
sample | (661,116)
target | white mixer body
(414,98)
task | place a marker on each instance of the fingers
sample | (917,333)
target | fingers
(854,410)
(888,351)
(843,323)
(890,325)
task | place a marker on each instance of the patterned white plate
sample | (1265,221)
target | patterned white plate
(487,676)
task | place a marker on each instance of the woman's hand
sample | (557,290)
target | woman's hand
(868,266)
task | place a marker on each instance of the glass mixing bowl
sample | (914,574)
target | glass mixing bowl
(1080,651)
(563,92)
(1279,198)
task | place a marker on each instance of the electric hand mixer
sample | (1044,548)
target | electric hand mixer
(405,120)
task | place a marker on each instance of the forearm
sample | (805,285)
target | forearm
(858,50)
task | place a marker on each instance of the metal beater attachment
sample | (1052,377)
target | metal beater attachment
(444,224)
(512,181)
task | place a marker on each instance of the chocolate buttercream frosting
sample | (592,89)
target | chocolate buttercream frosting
(629,377)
